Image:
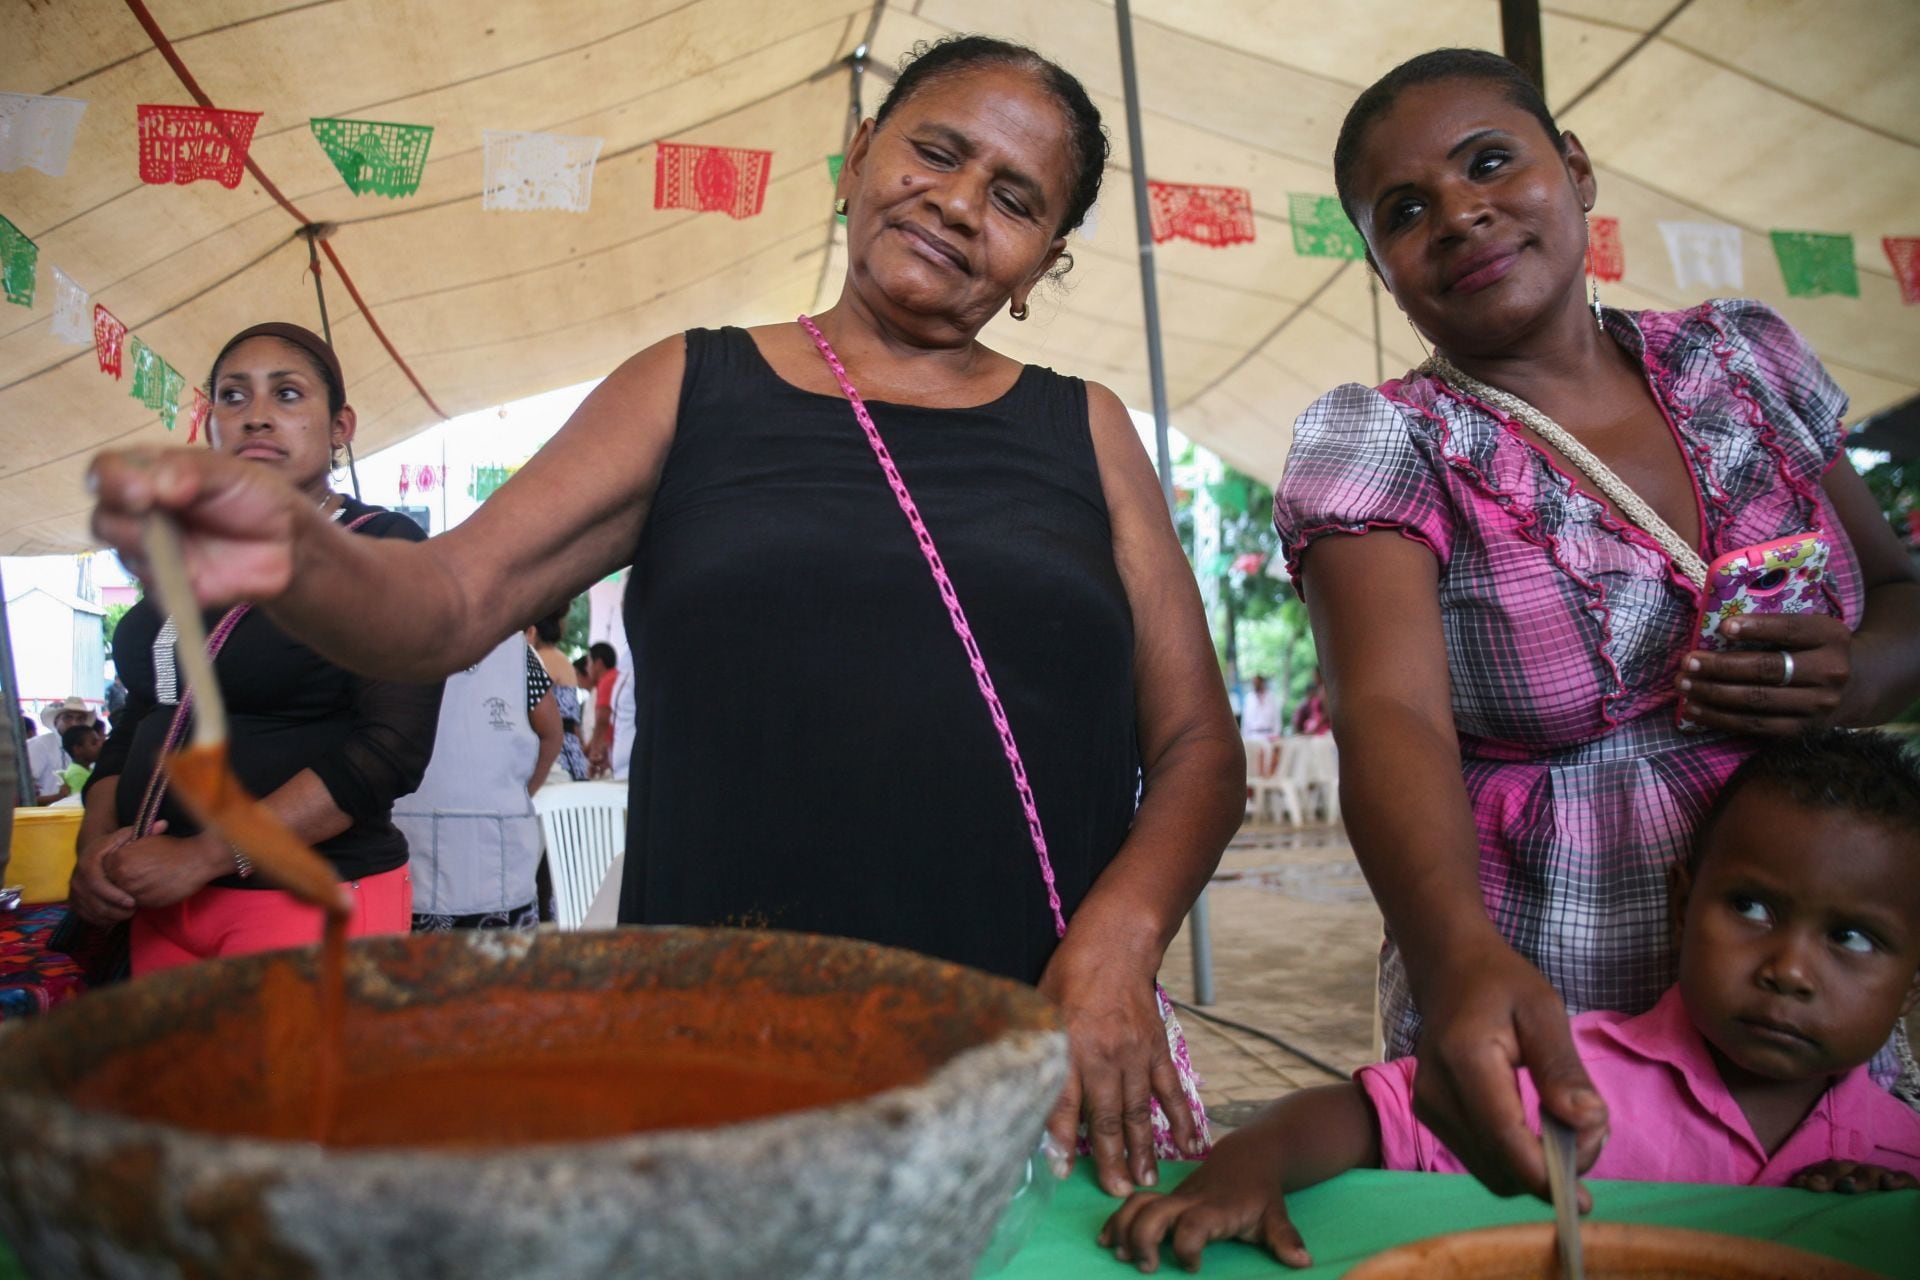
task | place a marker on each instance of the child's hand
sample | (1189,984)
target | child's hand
(1848,1176)
(1233,1196)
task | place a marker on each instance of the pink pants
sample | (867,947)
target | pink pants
(234,922)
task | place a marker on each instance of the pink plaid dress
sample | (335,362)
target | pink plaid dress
(1564,628)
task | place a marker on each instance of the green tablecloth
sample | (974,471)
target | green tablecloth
(1358,1215)
(1364,1212)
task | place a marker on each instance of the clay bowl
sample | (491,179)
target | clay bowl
(1612,1250)
(160,1128)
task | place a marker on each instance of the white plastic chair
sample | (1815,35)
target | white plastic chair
(1319,776)
(585,828)
(1267,783)
(1310,763)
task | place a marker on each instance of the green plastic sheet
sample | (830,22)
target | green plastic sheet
(1365,1212)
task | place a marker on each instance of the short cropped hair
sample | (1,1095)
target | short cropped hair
(1439,64)
(1862,773)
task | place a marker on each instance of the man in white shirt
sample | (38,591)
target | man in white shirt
(45,756)
(1260,714)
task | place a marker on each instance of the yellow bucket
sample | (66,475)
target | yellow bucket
(43,848)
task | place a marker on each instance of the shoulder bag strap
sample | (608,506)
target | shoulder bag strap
(955,613)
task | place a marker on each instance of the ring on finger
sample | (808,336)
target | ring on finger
(1786,668)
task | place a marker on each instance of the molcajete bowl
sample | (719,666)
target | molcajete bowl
(163,1128)
(1613,1251)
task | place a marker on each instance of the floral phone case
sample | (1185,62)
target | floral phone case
(1787,575)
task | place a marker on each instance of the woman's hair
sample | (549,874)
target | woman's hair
(325,364)
(1086,136)
(1440,64)
(549,628)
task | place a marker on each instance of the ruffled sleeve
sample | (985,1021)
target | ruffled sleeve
(1790,370)
(1360,462)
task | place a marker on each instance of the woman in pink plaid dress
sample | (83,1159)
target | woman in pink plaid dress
(1504,649)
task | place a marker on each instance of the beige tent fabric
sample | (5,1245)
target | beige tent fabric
(1796,114)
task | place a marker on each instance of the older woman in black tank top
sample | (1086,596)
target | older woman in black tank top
(811,747)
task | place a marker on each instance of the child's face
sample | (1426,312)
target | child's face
(1801,937)
(87,750)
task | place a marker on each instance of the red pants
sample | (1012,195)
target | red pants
(235,922)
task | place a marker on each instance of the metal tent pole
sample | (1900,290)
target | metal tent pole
(1143,218)
(1197,923)
(1520,39)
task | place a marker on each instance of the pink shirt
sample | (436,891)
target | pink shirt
(1673,1119)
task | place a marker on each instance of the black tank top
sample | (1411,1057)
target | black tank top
(811,751)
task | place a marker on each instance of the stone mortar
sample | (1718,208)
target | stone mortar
(907,1181)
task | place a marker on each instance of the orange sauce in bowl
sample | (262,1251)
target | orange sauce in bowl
(492,1068)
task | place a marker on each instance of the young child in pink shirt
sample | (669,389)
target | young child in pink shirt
(1799,932)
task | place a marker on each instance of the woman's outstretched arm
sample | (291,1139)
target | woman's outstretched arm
(412,611)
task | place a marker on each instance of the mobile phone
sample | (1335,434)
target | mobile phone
(1787,575)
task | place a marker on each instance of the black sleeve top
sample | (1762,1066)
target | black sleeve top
(289,709)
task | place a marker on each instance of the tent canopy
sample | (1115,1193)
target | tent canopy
(1762,114)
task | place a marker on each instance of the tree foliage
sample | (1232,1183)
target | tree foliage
(1259,625)
(115,612)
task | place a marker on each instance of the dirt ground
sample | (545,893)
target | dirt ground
(1295,936)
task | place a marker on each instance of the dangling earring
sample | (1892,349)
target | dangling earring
(1593,281)
(840,206)
(1419,339)
(1018,311)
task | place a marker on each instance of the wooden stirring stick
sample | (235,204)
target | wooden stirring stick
(200,772)
(1563,1182)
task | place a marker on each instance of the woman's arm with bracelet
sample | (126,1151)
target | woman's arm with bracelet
(1374,602)
(383,757)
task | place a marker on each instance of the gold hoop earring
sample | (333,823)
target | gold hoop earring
(840,206)
(1018,311)
(1418,338)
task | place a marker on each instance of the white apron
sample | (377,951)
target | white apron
(472,838)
